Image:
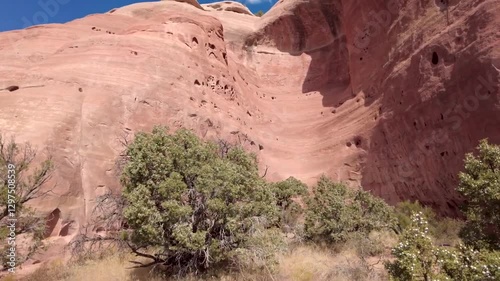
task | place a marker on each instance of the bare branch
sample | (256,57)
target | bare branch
(265,172)
(22,157)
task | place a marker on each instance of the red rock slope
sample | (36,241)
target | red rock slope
(384,94)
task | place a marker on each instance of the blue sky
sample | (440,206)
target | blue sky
(17,14)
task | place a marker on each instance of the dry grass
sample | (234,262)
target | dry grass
(308,263)
(112,268)
(302,263)
(116,268)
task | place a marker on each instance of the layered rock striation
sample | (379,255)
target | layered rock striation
(387,95)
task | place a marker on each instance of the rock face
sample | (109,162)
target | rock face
(388,95)
(228,6)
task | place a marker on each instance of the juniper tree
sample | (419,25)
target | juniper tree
(480,185)
(190,207)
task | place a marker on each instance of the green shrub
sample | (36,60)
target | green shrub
(190,206)
(335,212)
(416,256)
(259,255)
(480,185)
(284,192)
(465,263)
(444,230)
(405,210)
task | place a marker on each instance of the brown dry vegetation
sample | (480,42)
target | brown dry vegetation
(301,263)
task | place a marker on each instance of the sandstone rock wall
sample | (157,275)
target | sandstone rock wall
(384,94)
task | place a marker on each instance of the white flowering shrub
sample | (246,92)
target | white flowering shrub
(468,264)
(480,186)
(416,256)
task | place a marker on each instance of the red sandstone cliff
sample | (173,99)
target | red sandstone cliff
(384,94)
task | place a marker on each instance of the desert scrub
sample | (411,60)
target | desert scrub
(416,256)
(194,207)
(480,185)
(442,230)
(336,212)
(285,192)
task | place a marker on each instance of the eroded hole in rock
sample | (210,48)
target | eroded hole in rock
(211,46)
(12,88)
(65,230)
(80,90)
(195,40)
(357,141)
(209,123)
(261,147)
(196,82)
(435,58)
(442,4)
(51,222)
(348,144)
